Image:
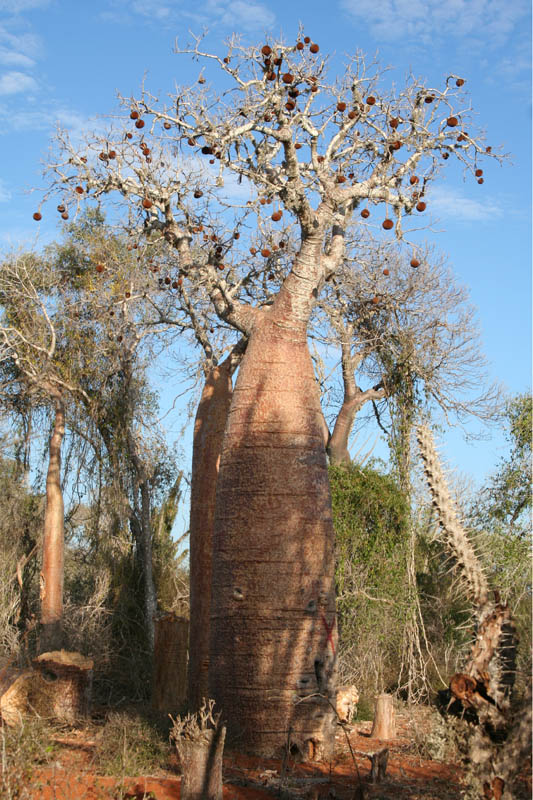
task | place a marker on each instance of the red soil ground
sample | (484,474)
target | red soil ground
(409,777)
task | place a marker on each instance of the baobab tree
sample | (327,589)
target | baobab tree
(317,150)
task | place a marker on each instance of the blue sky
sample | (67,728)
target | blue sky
(63,61)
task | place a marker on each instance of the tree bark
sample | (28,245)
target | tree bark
(201,765)
(384,724)
(169,685)
(51,588)
(273,625)
(209,428)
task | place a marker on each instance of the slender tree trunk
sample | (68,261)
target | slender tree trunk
(209,428)
(273,625)
(53,542)
(141,524)
(338,444)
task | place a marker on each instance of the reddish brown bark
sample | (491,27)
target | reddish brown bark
(51,589)
(209,427)
(273,626)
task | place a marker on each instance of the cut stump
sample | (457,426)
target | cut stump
(59,686)
(199,740)
(384,723)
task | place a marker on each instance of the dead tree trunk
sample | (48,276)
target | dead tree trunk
(59,686)
(51,584)
(169,687)
(273,623)
(209,428)
(383,726)
(199,741)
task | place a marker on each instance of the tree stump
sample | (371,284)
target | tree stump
(199,740)
(384,723)
(59,686)
(169,686)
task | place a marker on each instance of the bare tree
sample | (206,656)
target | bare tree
(398,318)
(316,149)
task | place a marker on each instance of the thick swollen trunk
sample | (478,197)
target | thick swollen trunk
(207,446)
(273,626)
(53,542)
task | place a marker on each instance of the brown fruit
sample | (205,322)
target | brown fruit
(421,206)
(375,300)
(307,39)
(277,61)
(266,50)
(341,178)
(191,142)
(451,122)
(83,159)
(288,77)
(365,213)
(147,203)
(314,88)
(290,105)
(236,235)
(134,115)
(460,82)
(396,145)
(220,266)
(226,60)
(198,193)
(139,124)
(206,150)
(103,156)
(211,160)
(293,92)
(61,208)
(297,146)
(394,122)
(253,250)
(429,98)
(146,151)
(478,173)
(276,216)
(413,179)
(386,272)
(370,100)
(352,114)
(64,215)
(119,338)
(314,48)
(127,295)
(415,263)
(37,217)
(271,76)
(265,252)
(387,224)
(488,149)
(201,80)
(299,45)
(320,159)
(351,175)
(167,280)
(167,126)
(112,154)
(481,180)
(341,106)
(175,285)
(445,156)
(99,267)
(129,135)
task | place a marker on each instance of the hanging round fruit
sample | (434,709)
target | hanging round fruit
(276,216)
(365,213)
(314,48)
(37,216)
(387,224)
(421,206)
(147,203)
(415,262)
(452,122)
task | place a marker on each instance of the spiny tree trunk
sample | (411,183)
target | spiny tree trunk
(273,625)
(209,428)
(51,589)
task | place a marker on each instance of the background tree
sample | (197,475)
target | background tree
(317,150)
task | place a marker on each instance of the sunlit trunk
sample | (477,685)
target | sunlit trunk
(273,629)
(51,589)
(209,427)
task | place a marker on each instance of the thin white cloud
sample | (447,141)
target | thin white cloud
(425,20)
(247,16)
(13,59)
(16,83)
(447,203)
(18,6)
(5,194)
(230,14)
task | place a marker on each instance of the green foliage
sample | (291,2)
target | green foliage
(371,519)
